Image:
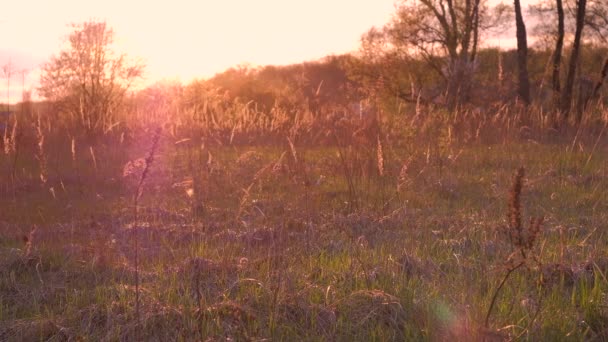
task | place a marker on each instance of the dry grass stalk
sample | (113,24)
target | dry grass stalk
(6,141)
(29,242)
(370,308)
(148,163)
(138,193)
(73,149)
(14,138)
(293,150)
(256,178)
(501,73)
(516,229)
(40,155)
(380,157)
(418,107)
(92,152)
(277,168)
(403,179)
(522,240)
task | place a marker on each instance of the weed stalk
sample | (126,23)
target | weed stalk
(136,197)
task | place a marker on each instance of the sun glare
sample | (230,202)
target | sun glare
(184,40)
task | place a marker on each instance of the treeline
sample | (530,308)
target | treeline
(431,53)
(348,82)
(428,61)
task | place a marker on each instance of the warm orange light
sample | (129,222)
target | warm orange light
(186,39)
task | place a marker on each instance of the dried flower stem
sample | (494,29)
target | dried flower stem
(136,197)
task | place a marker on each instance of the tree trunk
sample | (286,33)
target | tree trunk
(465,40)
(475,30)
(557,55)
(585,92)
(580,24)
(588,90)
(522,55)
(600,81)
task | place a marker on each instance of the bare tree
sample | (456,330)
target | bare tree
(596,20)
(88,80)
(443,33)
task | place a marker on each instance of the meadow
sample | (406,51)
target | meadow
(337,227)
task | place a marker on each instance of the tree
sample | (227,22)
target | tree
(569,86)
(443,33)
(596,20)
(590,15)
(557,54)
(600,81)
(88,80)
(522,55)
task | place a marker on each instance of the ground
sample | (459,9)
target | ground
(384,241)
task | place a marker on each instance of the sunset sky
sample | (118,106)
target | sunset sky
(186,39)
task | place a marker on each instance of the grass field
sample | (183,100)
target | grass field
(380,241)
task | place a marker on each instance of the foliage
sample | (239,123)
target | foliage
(545,19)
(445,35)
(88,80)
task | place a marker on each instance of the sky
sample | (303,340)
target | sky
(187,39)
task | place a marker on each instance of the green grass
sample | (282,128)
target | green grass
(299,262)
